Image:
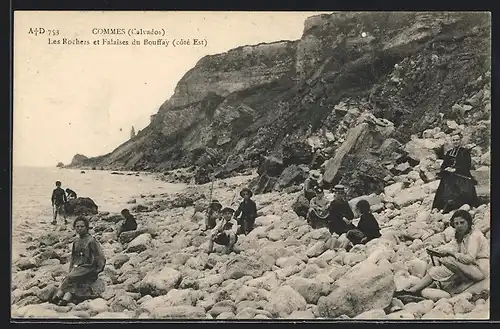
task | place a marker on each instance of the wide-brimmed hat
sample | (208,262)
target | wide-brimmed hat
(339,188)
(246,189)
(215,205)
(227,210)
(315,175)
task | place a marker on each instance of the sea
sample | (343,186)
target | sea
(32,190)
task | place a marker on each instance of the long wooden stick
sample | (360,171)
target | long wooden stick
(211,191)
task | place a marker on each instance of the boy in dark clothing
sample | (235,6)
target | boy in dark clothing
(248,211)
(129,224)
(368,228)
(340,213)
(58,201)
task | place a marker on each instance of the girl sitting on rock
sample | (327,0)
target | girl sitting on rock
(461,263)
(367,229)
(225,232)
(87,261)
(317,215)
(130,224)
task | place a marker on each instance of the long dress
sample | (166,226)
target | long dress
(87,261)
(367,227)
(458,188)
(475,246)
(318,213)
(337,211)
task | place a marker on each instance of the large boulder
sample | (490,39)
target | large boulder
(271,166)
(298,152)
(354,139)
(291,175)
(301,206)
(160,283)
(483,189)
(284,301)
(364,287)
(241,266)
(81,206)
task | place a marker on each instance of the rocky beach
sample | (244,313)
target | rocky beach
(370,100)
(282,269)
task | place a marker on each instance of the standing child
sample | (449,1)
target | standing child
(58,202)
(248,211)
(225,232)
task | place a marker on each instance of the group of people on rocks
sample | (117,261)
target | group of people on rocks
(455,266)
(60,198)
(87,259)
(226,223)
(337,215)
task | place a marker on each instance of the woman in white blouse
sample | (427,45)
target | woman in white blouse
(460,263)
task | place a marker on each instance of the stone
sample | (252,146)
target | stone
(375,314)
(434,294)
(226,316)
(317,249)
(310,289)
(140,243)
(401,315)
(122,303)
(46,293)
(307,314)
(364,287)
(25,263)
(160,283)
(463,306)
(241,266)
(225,306)
(414,194)
(81,206)
(119,259)
(178,312)
(128,236)
(284,301)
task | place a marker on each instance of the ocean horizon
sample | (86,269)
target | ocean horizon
(32,190)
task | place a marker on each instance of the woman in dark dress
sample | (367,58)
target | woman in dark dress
(129,224)
(457,186)
(87,261)
(367,229)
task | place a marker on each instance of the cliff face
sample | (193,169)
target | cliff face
(252,99)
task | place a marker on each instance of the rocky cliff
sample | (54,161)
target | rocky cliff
(414,71)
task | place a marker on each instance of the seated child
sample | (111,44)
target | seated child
(225,231)
(129,224)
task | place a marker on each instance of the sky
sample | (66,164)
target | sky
(84,99)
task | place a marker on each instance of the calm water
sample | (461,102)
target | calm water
(32,190)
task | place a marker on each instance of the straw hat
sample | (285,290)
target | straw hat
(246,189)
(227,210)
(215,205)
(339,188)
(315,175)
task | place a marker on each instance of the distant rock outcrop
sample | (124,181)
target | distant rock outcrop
(60,165)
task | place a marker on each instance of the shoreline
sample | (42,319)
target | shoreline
(283,257)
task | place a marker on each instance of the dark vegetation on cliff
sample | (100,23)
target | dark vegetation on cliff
(409,68)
